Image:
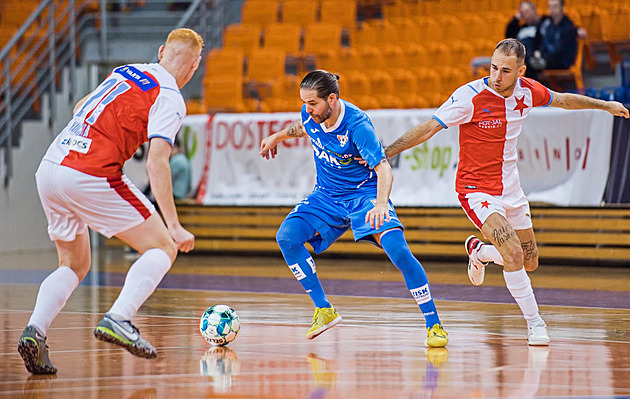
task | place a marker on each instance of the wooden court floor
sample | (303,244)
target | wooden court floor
(376,352)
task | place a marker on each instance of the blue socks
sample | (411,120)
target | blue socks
(395,246)
(291,237)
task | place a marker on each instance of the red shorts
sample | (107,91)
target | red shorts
(73,200)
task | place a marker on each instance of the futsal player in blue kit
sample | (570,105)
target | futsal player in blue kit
(346,195)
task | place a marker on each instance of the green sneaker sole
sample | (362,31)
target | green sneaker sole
(107,335)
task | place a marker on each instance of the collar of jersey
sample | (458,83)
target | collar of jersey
(517,86)
(336,125)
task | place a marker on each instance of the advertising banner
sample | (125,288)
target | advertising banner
(563,159)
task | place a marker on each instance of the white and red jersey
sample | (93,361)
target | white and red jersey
(489,125)
(134,103)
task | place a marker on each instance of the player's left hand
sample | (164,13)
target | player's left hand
(362,161)
(617,109)
(377,216)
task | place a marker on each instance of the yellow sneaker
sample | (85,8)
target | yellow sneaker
(323,319)
(437,337)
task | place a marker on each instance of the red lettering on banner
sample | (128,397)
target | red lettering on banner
(568,154)
(242,135)
(588,142)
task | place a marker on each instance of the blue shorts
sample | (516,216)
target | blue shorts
(333,217)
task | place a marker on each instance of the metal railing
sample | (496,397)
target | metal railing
(54,35)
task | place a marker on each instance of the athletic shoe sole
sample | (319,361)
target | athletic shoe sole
(29,350)
(325,327)
(107,335)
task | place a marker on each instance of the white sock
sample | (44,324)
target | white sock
(520,287)
(488,253)
(53,294)
(143,277)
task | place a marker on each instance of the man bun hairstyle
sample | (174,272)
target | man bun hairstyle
(323,82)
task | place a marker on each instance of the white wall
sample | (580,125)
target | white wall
(22,220)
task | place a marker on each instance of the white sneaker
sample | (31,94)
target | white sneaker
(476,268)
(537,333)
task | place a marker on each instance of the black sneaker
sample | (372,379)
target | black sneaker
(34,351)
(124,334)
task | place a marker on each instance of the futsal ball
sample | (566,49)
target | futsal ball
(219,325)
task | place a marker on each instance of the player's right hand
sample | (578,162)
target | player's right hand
(268,147)
(184,239)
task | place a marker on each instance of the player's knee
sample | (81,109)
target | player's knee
(513,255)
(531,264)
(290,234)
(170,248)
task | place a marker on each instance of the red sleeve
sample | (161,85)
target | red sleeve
(541,95)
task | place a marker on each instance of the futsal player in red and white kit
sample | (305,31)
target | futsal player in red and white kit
(490,112)
(80,184)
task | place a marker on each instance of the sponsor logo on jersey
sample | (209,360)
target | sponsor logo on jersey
(490,124)
(141,79)
(421,294)
(77,143)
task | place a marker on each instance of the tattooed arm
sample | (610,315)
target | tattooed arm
(269,146)
(577,101)
(414,136)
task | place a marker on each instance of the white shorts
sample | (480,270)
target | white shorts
(73,200)
(514,208)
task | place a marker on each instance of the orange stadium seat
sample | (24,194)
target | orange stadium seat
(223,94)
(266,64)
(429,29)
(394,56)
(357,90)
(406,84)
(416,55)
(461,52)
(382,86)
(342,62)
(284,36)
(596,21)
(260,12)
(452,27)
(322,39)
(286,94)
(340,12)
(429,85)
(299,12)
(224,61)
(264,68)
(407,31)
(372,58)
(365,34)
(244,36)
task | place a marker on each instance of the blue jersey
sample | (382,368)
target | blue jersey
(334,150)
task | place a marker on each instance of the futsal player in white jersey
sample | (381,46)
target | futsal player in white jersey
(80,184)
(490,112)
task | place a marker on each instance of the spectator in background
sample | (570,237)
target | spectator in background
(558,46)
(524,27)
(180,171)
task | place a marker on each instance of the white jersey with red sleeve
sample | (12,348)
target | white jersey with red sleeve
(489,125)
(134,103)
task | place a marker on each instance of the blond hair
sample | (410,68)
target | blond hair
(186,36)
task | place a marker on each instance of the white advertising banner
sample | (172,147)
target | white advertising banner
(563,159)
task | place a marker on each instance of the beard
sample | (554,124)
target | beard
(321,118)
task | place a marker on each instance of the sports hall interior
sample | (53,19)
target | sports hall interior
(391,55)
